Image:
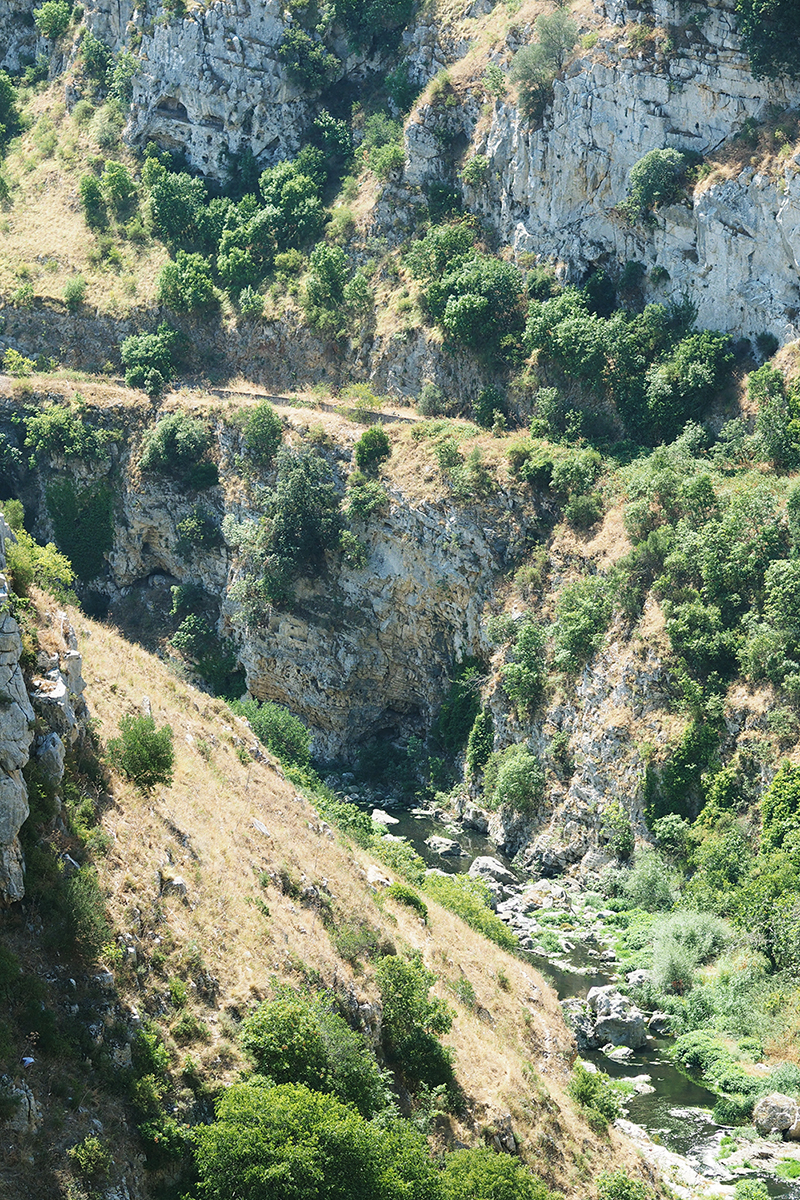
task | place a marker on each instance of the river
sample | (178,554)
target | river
(677,1112)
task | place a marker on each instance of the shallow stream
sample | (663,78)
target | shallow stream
(677,1113)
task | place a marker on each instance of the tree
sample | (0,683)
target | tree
(306,520)
(185,285)
(778,416)
(9,113)
(148,359)
(52,19)
(144,753)
(307,62)
(263,434)
(481,1174)
(296,1039)
(289,1143)
(771,34)
(413,1021)
(372,448)
(655,180)
(533,68)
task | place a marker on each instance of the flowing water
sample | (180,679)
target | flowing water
(677,1113)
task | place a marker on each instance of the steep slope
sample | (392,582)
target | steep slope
(220,887)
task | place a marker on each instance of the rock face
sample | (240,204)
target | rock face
(617,1019)
(16,718)
(553,190)
(778,1113)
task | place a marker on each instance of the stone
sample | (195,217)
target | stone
(660,1024)
(446,847)
(50,752)
(27,1116)
(580,1020)
(383,818)
(486,867)
(377,878)
(777,1113)
(617,1019)
(475,818)
(617,1053)
(638,978)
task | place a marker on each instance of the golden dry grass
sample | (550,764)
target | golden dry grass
(512,1053)
(45,239)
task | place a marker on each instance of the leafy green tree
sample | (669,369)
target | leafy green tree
(52,18)
(289,1143)
(9,113)
(520,780)
(306,520)
(372,449)
(482,1174)
(263,434)
(583,610)
(144,753)
(480,742)
(373,22)
(177,203)
(280,731)
(179,445)
(308,62)
(655,180)
(148,359)
(97,57)
(524,675)
(118,188)
(443,248)
(413,1020)
(533,68)
(777,417)
(682,387)
(297,1039)
(618,1185)
(780,807)
(92,201)
(185,285)
(478,303)
(771,34)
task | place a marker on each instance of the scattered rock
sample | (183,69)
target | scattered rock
(618,1020)
(486,867)
(382,818)
(660,1024)
(447,847)
(778,1113)
(617,1053)
(377,878)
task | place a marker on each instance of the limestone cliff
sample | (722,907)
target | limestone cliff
(553,189)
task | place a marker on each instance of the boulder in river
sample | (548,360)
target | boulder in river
(444,846)
(618,1020)
(778,1113)
(580,1021)
(486,868)
(660,1024)
(617,1053)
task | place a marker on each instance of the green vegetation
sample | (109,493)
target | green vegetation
(144,753)
(83,522)
(414,1021)
(281,732)
(534,68)
(372,449)
(655,180)
(594,1093)
(770,30)
(300,1039)
(179,446)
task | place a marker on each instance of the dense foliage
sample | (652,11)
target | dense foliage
(770,31)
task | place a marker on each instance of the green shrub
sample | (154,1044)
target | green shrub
(413,1021)
(652,883)
(372,449)
(281,732)
(407,896)
(480,742)
(198,531)
(119,190)
(364,497)
(595,1095)
(288,1141)
(52,18)
(263,434)
(61,430)
(148,359)
(518,781)
(655,180)
(74,293)
(178,445)
(85,907)
(296,1039)
(307,62)
(28,563)
(468,898)
(583,610)
(185,285)
(524,676)
(618,1185)
(90,1156)
(770,31)
(533,68)
(144,753)
(617,829)
(481,1173)
(83,522)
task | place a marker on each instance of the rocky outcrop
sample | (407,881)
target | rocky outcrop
(777,1113)
(553,190)
(16,720)
(616,1018)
